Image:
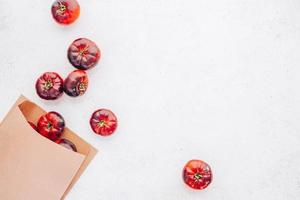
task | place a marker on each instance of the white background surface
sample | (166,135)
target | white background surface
(212,80)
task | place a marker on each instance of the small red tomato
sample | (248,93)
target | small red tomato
(197,174)
(67,144)
(51,125)
(65,11)
(103,122)
(49,86)
(84,54)
(32,125)
(76,83)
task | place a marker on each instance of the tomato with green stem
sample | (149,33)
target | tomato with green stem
(51,125)
(76,83)
(84,54)
(49,86)
(197,174)
(103,122)
(65,11)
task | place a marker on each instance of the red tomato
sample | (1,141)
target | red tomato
(103,122)
(65,11)
(76,83)
(49,86)
(84,54)
(51,125)
(197,174)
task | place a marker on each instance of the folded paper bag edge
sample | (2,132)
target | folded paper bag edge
(89,155)
(33,167)
(30,112)
(92,153)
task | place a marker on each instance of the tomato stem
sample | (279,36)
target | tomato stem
(48,85)
(62,7)
(198,176)
(102,123)
(83,51)
(82,88)
(49,125)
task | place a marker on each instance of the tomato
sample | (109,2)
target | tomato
(103,122)
(84,54)
(51,125)
(197,174)
(49,86)
(65,11)
(76,83)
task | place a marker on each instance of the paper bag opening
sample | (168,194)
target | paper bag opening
(33,167)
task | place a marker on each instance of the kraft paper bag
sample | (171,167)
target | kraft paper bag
(33,167)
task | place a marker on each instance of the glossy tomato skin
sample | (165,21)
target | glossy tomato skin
(197,174)
(103,122)
(67,144)
(51,125)
(49,86)
(76,83)
(65,11)
(84,54)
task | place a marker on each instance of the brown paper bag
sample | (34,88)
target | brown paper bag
(33,167)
